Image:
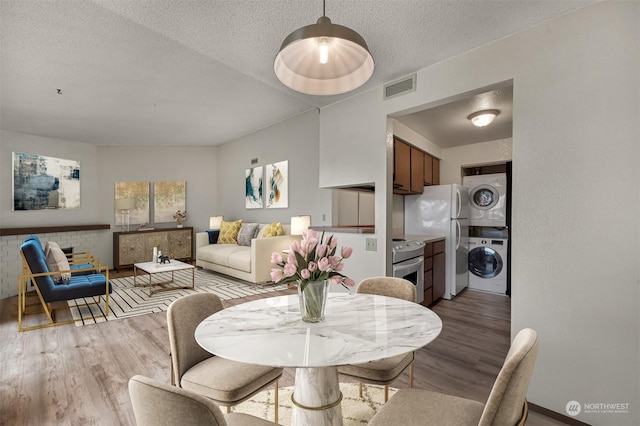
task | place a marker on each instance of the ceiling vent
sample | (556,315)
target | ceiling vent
(400,87)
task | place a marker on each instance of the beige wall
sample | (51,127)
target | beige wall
(453,159)
(575,252)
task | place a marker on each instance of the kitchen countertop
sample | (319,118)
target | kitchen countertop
(425,238)
(345,229)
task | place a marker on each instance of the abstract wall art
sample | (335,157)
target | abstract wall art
(168,198)
(253,188)
(41,182)
(277,178)
(138,191)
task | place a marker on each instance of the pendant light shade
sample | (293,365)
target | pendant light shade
(323,59)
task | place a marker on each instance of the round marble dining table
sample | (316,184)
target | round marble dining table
(357,328)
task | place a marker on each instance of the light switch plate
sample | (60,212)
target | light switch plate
(371,244)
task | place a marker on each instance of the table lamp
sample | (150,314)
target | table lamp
(124,205)
(215,222)
(300,224)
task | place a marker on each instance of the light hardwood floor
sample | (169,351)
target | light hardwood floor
(71,375)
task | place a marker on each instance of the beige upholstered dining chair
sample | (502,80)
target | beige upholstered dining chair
(226,382)
(507,404)
(384,371)
(159,404)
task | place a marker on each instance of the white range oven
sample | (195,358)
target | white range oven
(407,258)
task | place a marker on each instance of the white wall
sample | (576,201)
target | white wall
(295,140)
(414,138)
(69,150)
(100,168)
(196,165)
(575,264)
(88,213)
(453,159)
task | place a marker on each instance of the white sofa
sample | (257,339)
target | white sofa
(251,264)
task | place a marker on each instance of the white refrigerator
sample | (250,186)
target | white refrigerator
(443,210)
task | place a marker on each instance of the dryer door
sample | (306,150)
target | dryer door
(484,197)
(485,262)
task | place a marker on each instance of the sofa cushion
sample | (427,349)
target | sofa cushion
(57,261)
(247,232)
(228,255)
(273,230)
(229,232)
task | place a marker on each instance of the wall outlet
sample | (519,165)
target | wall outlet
(324,217)
(371,244)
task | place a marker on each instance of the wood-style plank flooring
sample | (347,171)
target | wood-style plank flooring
(71,375)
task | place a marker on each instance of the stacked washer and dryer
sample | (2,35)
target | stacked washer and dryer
(488,241)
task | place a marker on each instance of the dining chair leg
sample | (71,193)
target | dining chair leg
(360,389)
(173,379)
(411,375)
(228,409)
(386,393)
(275,410)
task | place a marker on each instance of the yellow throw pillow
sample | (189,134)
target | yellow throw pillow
(229,232)
(273,230)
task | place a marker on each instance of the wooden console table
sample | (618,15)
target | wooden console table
(137,246)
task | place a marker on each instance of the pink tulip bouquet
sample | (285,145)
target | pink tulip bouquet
(312,259)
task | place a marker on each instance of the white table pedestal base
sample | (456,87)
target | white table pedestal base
(317,398)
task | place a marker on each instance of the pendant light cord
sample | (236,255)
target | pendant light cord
(323,8)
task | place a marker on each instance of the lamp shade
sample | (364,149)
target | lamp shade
(300,224)
(324,59)
(125,203)
(483,118)
(215,222)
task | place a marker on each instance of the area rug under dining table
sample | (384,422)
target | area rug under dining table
(127,300)
(355,410)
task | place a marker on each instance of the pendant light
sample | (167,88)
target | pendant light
(483,118)
(323,59)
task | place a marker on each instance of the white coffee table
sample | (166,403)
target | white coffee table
(152,268)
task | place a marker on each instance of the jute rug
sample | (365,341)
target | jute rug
(128,301)
(355,410)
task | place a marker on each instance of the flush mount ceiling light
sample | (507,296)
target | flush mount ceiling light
(323,59)
(483,118)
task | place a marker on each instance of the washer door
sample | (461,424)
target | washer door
(485,262)
(484,197)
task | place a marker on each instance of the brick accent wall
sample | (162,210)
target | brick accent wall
(11,263)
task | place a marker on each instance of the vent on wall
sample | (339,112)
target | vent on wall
(400,87)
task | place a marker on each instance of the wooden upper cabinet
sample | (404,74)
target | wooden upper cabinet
(401,167)
(436,171)
(417,171)
(428,169)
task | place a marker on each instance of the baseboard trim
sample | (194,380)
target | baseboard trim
(556,416)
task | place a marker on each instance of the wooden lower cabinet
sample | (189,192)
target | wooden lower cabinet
(439,266)
(137,246)
(434,278)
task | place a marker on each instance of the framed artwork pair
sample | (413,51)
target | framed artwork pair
(168,198)
(267,186)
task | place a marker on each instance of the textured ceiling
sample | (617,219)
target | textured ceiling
(200,72)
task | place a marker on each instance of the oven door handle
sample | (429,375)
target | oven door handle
(409,266)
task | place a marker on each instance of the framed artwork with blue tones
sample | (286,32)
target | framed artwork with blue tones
(45,183)
(253,188)
(277,179)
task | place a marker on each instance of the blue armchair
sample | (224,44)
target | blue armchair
(80,263)
(91,281)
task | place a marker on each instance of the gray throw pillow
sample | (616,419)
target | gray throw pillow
(247,233)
